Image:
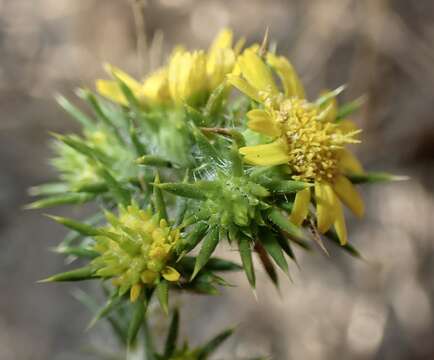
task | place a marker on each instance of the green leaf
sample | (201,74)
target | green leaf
(153,160)
(138,145)
(83,273)
(246,259)
(216,99)
(285,186)
(267,264)
(158,200)
(373,177)
(49,189)
(95,187)
(136,322)
(330,95)
(350,249)
(81,228)
(78,251)
(283,223)
(57,200)
(207,149)
(120,194)
(103,311)
(236,161)
(209,243)
(213,344)
(75,112)
(172,336)
(93,102)
(348,108)
(196,116)
(163,295)
(191,191)
(273,248)
(193,238)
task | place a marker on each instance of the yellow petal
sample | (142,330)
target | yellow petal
(243,86)
(135,291)
(268,154)
(156,87)
(349,195)
(256,72)
(330,112)
(170,274)
(290,80)
(223,40)
(301,207)
(325,206)
(261,121)
(110,89)
(133,84)
(349,163)
(339,224)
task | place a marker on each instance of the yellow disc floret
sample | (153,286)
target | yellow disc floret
(311,144)
(135,250)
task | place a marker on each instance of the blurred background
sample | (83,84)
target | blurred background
(337,307)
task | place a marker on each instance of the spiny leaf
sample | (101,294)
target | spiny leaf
(193,238)
(350,249)
(373,177)
(191,191)
(163,295)
(158,200)
(216,99)
(93,102)
(246,259)
(111,303)
(283,223)
(213,344)
(285,186)
(348,108)
(207,149)
(172,335)
(136,322)
(79,251)
(75,112)
(273,248)
(209,243)
(153,160)
(121,195)
(83,273)
(64,199)
(81,228)
(49,189)
(267,264)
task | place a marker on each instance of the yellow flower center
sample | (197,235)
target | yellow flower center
(313,144)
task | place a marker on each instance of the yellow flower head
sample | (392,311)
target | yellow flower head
(187,77)
(154,89)
(305,137)
(221,57)
(135,250)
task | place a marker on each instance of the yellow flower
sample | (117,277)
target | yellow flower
(154,89)
(304,136)
(135,250)
(221,57)
(187,77)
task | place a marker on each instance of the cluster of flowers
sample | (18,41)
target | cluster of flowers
(190,162)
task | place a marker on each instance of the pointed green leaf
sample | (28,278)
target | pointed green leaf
(158,200)
(209,243)
(121,195)
(83,273)
(283,223)
(213,344)
(81,228)
(246,259)
(348,108)
(57,200)
(75,112)
(103,311)
(285,186)
(78,251)
(163,295)
(172,336)
(49,189)
(273,248)
(216,99)
(153,160)
(136,322)
(191,191)
(350,249)
(193,238)
(267,264)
